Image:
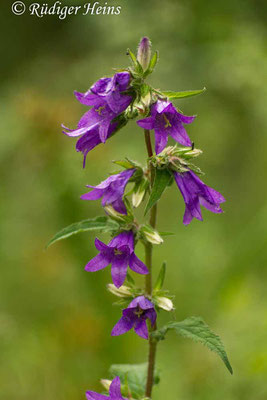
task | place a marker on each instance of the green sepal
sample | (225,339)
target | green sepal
(134,376)
(180,95)
(103,224)
(152,64)
(161,277)
(163,178)
(196,329)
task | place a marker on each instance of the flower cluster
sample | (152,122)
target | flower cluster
(114,101)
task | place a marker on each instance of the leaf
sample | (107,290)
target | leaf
(124,164)
(196,329)
(164,233)
(135,375)
(161,277)
(152,64)
(99,223)
(180,95)
(162,180)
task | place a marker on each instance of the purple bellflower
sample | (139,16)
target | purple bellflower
(111,190)
(135,316)
(119,253)
(114,392)
(107,101)
(109,91)
(166,120)
(196,193)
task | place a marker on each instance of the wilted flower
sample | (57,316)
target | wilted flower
(166,120)
(111,190)
(119,253)
(196,193)
(114,392)
(135,316)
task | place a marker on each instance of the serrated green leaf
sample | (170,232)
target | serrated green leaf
(181,95)
(136,375)
(196,329)
(161,277)
(161,181)
(99,223)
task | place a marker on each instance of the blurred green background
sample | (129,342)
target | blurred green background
(55,319)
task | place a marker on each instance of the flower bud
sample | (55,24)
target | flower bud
(123,291)
(165,303)
(151,235)
(139,192)
(105,383)
(144,52)
(114,214)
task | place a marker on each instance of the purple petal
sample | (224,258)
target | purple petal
(88,98)
(98,262)
(122,326)
(178,132)
(146,123)
(142,302)
(124,238)
(137,265)
(141,328)
(93,195)
(215,208)
(152,315)
(160,107)
(115,389)
(185,119)
(95,396)
(119,270)
(161,139)
(119,206)
(102,246)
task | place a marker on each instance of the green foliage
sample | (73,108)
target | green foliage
(103,224)
(196,329)
(162,180)
(152,64)
(179,95)
(161,277)
(133,375)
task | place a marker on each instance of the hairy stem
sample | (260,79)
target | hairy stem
(148,283)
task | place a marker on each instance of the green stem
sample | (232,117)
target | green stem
(148,283)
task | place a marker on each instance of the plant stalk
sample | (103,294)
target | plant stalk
(148,282)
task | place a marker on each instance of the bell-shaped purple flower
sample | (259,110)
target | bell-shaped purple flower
(119,253)
(107,100)
(135,316)
(111,190)
(114,392)
(98,117)
(196,193)
(109,91)
(166,120)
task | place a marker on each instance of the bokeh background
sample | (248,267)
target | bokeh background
(55,319)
